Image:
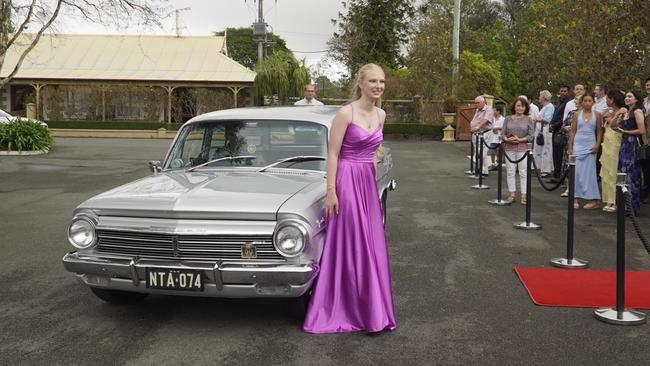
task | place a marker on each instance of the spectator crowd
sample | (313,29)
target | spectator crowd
(605,130)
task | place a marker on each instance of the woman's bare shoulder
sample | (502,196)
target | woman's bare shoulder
(344,114)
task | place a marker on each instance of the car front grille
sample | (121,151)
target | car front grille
(188,247)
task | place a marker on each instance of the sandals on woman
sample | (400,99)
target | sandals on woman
(524,199)
(591,205)
(609,208)
(511,198)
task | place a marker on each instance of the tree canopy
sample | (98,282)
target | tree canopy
(508,47)
(242,46)
(371,31)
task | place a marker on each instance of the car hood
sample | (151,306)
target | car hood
(198,194)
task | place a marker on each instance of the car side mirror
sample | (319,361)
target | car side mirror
(155,166)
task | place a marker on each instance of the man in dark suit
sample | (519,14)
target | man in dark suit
(556,124)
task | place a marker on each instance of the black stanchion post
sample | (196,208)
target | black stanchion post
(479,164)
(471,158)
(499,201)
(475,173)
(619,315)
(569,262)
(527,225)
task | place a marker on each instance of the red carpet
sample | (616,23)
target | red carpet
(584,288)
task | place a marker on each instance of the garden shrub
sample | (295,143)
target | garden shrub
(24,135)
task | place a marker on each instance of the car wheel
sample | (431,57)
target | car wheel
(384,198)
(118,297)
(297,307)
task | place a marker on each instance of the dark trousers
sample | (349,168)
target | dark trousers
(559,145)
(645,180)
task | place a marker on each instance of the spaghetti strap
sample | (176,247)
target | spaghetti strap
(352,116)
(378,117)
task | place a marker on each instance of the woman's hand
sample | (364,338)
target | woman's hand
(569,151)
(331,203)
(594,150)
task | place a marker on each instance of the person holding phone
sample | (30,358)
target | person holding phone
(632,127)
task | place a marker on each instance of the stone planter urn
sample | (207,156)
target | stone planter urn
(449,133)
(449,118)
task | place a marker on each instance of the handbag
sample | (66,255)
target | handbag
(539,140)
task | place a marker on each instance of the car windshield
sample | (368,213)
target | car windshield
(252,144)
(4,114)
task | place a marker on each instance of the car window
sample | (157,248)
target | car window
(258,143)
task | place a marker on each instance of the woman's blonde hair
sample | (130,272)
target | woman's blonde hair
(361,74)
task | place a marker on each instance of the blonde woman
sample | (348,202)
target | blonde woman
(353,289)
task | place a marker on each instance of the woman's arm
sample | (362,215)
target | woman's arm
(530,134)
(379,153)
(640,125)
(599,133)
(337,132)
(572,132)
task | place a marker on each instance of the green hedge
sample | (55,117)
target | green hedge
(413,129)
(112,125)
(389,128)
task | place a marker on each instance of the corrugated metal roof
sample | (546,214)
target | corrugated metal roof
(126,57)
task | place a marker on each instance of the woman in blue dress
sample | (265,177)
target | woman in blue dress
(633,128)
(584,142)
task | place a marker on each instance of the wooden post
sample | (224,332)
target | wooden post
(169,89)
(37,88)
(235,91)
(103,88)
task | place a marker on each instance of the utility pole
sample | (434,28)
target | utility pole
(178,20)
(455,46)
(259,31)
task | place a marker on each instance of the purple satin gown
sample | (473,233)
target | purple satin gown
(353,290)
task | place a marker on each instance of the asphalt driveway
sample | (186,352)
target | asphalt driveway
(457,299)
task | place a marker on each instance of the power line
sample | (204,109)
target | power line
(308,51)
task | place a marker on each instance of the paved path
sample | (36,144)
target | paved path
(458,301)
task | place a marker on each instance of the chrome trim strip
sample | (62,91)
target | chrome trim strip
(170,226)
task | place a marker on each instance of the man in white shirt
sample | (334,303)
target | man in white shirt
(534,109)
(482,122)
(578,91)
(601,98)
(310,96)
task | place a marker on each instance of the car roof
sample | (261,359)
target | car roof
(318,114)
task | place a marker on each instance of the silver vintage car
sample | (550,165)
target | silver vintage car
(236,209)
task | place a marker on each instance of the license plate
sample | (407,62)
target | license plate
(174,279)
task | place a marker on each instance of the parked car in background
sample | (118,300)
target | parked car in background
(8,118)
(236,209)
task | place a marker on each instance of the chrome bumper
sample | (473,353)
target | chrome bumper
(225,279)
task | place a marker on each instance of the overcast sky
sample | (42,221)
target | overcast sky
(305,24)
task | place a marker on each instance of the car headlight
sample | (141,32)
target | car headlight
(81,232)
(290,238)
